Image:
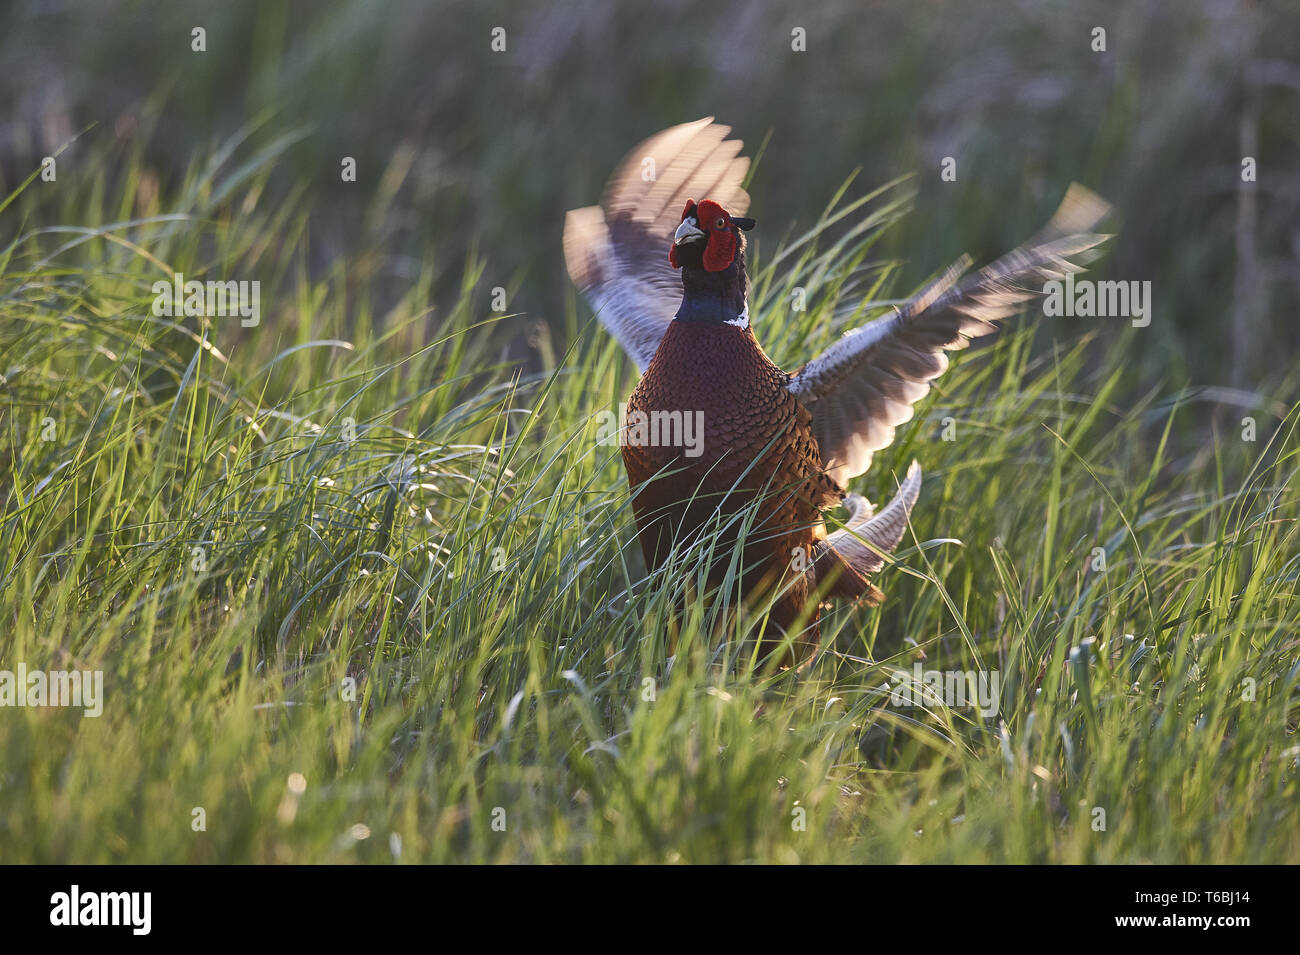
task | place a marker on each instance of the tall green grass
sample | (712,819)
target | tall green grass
(362,592)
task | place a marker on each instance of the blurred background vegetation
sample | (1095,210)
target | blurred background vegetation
(475,153)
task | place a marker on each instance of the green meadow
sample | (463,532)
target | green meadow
(362,580)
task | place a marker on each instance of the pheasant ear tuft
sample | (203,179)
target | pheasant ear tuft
(720,251)
(743,223)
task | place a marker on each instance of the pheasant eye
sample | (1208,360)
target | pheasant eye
(720,222)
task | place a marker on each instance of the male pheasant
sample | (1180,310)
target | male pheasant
(778,447)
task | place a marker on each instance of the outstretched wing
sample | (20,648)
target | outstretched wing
(862,387)
(617,252)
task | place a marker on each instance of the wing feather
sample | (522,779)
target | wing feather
(864,386)
(617,252)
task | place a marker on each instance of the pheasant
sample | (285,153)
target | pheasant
(666,276)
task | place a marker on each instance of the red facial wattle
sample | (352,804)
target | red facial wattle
(719,235)
(720,250)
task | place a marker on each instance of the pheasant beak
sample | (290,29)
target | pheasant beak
(688,231)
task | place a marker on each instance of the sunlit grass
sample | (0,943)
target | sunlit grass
(351,544)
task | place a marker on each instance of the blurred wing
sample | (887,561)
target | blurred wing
(862,387)
(617,252)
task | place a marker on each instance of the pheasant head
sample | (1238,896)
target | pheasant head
(709,248)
